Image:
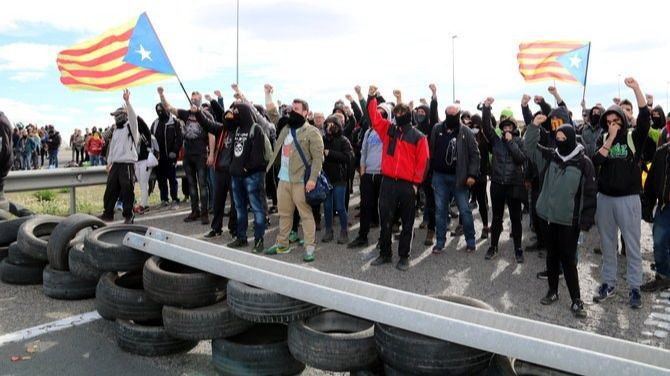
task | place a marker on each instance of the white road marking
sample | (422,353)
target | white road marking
(50,327)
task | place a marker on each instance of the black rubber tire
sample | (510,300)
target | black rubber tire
(9,230)
(80,264)
(16,256)
(263,306)
(149,339)
(529,369)
(4,251)
(210,322)
(173,284)
(59,241)
(63,285)
(122,297)
(20,274)
(31,235)
(19,210)
(261,350)
(107,252)
(333,341)
(413,353)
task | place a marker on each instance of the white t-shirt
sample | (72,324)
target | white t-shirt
(286,151)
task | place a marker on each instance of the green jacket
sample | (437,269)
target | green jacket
(568,195)
(311,143)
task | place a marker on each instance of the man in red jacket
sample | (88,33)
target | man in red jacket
(404,159)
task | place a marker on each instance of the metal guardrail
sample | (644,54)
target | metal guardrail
(533,341)
(72,178)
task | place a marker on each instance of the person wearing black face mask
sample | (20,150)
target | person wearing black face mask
(121,158)
(425,124)
(454,161)
(592,132)
(479,189)
(507,179)
(404,160)
(167,131)
(566,205)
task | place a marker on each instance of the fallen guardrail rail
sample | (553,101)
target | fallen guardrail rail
(72,178)
(533,341)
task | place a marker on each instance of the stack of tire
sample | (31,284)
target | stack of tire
(26,254)
(69,276)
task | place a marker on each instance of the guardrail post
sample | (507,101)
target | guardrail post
(73,200)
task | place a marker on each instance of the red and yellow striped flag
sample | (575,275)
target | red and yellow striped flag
(553,60)
(128,55)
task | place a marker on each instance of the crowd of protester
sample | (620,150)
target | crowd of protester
(607,171)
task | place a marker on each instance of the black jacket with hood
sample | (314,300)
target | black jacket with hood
(167,130)
(248,145)
(483,146)
(340,153)
(508,157)
(657,185)
(620,173)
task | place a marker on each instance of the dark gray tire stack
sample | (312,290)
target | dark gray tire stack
(19,269)
(34,233)
(149,338)
(263,306)
(415,354)
(209,322)
(261,350)
(60,240)
(334,341)
(107,252)
(123,297)
(61,284)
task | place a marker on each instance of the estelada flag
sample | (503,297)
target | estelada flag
(128,55)
(566,61)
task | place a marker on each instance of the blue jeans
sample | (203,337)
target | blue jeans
(26,161)
(661,233)
(443,187)
(336,197)
(53,158)
(95,160)
(210,185)
(249,188)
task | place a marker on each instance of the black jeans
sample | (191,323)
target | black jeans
(222,185)
(501,195)
(120,184)
(429,205)
(562,251)
(370,186)
(271,182)
(396,196)
(166,172)
(195,167)
(479,193)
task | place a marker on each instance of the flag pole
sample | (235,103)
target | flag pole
(586,73)
(168,58)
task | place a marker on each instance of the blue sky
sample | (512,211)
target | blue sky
(320,50)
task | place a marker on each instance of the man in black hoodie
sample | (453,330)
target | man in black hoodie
(619,186)
(426,119)
(247,168)
(167,130)
(5,156)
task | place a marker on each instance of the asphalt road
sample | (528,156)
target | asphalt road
(504,284)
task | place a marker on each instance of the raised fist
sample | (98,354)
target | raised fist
(349,97)
(433,88)
(525,99)
(489,101)
(631,83)
(552,90)
(397,93)
(539,119)
(160,90)
(268,88)
(357,89)
(372,90)
(538,99)
(217,93)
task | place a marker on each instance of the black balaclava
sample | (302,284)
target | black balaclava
(566,147)
(163,115)
(404,119)
(295,120)
(594,119)
(120,119)
(453,121)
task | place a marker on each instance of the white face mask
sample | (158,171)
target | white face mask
(475,130)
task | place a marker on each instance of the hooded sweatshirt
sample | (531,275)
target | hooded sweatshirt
(123,145)
(340,153)
(167,130)
(657,124)
(620,173)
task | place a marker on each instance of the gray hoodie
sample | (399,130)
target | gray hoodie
(122,149)
(371,152)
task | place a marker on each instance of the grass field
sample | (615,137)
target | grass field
(57,201)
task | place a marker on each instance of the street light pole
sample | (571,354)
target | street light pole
(237,46)
(618,84)
(453,69)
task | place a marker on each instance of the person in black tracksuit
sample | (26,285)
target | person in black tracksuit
(222,180)
(479,189)
(507,179)
(167,130)
(425,120)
